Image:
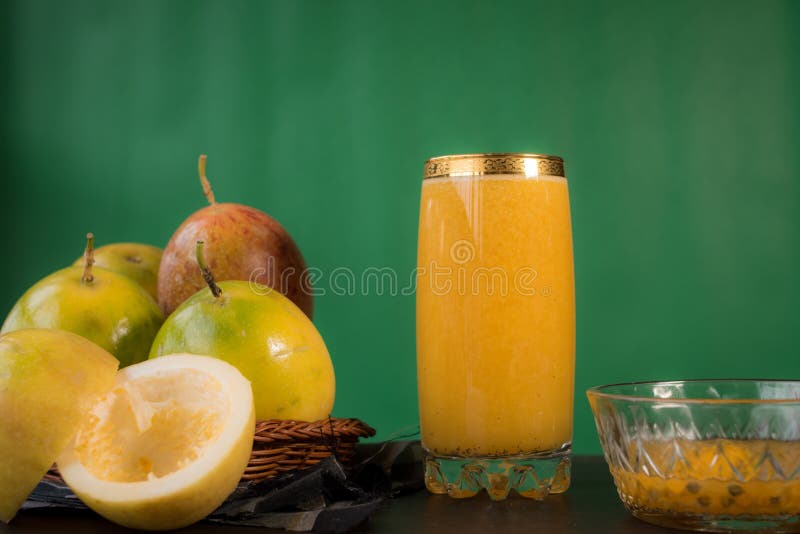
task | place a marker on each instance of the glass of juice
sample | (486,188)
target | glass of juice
(495,325)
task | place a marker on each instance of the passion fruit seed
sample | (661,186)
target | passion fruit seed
(735,490)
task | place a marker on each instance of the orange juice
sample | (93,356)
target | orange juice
(495,315)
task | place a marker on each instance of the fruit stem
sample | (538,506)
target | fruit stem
(88,257)
(201,169)
(207,276)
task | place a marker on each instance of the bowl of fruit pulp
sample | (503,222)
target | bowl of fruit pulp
(712,455)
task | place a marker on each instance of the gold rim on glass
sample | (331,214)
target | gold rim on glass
(494,163)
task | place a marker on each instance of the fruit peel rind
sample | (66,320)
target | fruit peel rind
(49,380)
(189,494)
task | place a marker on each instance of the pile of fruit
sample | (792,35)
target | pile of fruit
(208,337)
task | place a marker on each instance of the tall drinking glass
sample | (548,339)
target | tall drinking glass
(495,325)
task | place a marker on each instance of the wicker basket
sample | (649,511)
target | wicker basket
(280,446)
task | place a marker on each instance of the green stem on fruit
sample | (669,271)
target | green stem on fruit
(207,276)
(201,169)
(88,259)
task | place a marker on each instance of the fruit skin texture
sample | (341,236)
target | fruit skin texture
(112,310)
(186,496)
(267,338)
(240,242)
(49,380)
(135,260)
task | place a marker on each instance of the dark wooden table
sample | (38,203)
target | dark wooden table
(591,506)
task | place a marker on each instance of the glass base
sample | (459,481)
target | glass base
(712,523)
(534,477)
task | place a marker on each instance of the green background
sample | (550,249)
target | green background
(679,123)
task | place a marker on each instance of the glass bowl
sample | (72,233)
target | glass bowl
(712,455)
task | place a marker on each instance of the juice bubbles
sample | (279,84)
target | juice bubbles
(496,322)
